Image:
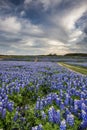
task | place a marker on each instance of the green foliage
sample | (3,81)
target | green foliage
(50,126)
(7,122)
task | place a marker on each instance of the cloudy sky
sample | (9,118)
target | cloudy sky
(32,27)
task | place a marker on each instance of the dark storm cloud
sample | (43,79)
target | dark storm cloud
(9,41)
(82,22)
(82,25)
(83,42)
(43,25)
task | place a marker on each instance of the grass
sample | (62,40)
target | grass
(79,69)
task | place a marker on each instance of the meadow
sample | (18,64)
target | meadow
(81,64)
(41,96)
(80,68)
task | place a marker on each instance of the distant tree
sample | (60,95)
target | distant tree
(52,54)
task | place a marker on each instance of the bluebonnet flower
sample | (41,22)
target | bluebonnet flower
(62,106)
(83,125)
(50,114)
(57,101)
(43,115)
(6,99)
(85,101)
(10,106)
(75,108)
(41,105)
(61,93)
(82,95)
(38,104)
(66,100)
(23,85)
(70,119)
(0,98)
(17,89)
(49,100)
(39,127)
(84,115)
(58,117)
(1,108)
(16,116)
(83,107)
(34,128)
(4,113)
(63,125)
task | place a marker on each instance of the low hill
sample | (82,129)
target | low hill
(76,54)
(51,57)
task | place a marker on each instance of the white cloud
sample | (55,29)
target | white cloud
(31,29)
(74,36)
(49,3)
(14,25)
(10,52)
(68,21)
(75,33)
(55,42)
(72,40)
(27,2)
(29,42)
(57,50)
(10,24)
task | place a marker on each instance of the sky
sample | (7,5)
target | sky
(40,27)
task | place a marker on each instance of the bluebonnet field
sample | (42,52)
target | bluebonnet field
(41,96)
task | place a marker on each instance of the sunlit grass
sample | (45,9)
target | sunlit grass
(79,69)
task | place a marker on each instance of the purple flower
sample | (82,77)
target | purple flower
(1,108)
(83,125)
(84,115)
(62,106)
(0,98)
(34,128)
(57,101)
(67,100)
(58,117)
(3,113)
(43,115)
(63,125)
(17,89)
(41,105)
(10,106)
(50,114)
(16,116)
(83,107)
(39,127)
(37,105)
(70,119)
(75,108)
